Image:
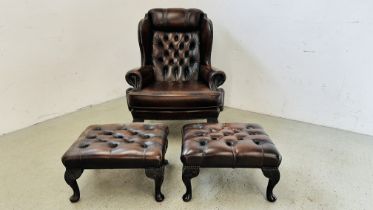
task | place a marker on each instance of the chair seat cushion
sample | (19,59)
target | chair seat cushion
(228,145)
(135,145)
(175,96)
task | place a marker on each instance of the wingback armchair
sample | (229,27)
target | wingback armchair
(176,79)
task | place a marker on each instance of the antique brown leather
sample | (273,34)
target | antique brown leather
(175,48)
(236,145)
(133,145)
(176,96)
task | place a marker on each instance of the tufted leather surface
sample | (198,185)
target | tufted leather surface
(135,145)
(175,56)
(176,96)
(228,145)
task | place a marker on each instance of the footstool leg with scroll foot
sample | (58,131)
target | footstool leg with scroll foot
(157,174)
(273,174)
(189,172)
(71,175)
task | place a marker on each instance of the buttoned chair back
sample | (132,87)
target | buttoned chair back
(175,79)
(175,42)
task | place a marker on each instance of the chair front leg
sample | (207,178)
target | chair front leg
(212,120)
(274,177)
(189,172)
(138,120)
(71,175)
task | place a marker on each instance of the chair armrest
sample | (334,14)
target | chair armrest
(139,77)
(213,77)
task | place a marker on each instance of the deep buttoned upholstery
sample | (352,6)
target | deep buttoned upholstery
(175,56)
(228,145)
(110,146)
(133,145)
(175,48)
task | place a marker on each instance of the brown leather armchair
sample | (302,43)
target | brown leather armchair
(176,79)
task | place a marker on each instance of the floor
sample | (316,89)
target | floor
(322,168)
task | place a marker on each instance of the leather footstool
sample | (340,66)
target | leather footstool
(228,145)
(135,145)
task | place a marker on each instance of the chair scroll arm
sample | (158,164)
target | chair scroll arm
(213,77)
(139,77)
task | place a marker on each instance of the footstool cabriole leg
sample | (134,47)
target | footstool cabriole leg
(273,174)
(157,174)
(71,175)
(189,172)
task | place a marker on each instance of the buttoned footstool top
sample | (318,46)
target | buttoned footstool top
(228,145)
(134,145)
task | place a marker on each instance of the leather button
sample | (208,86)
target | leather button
(112,144)
(83,145)
(101,140)
(160,44)
(145,136)
(202,143)
(192,45)
(249,127)
(186,38)
(91,136)
(227,133)
(106,132)
(133,132)
(229,143)
(236,130)
(118,136)
(191,60)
